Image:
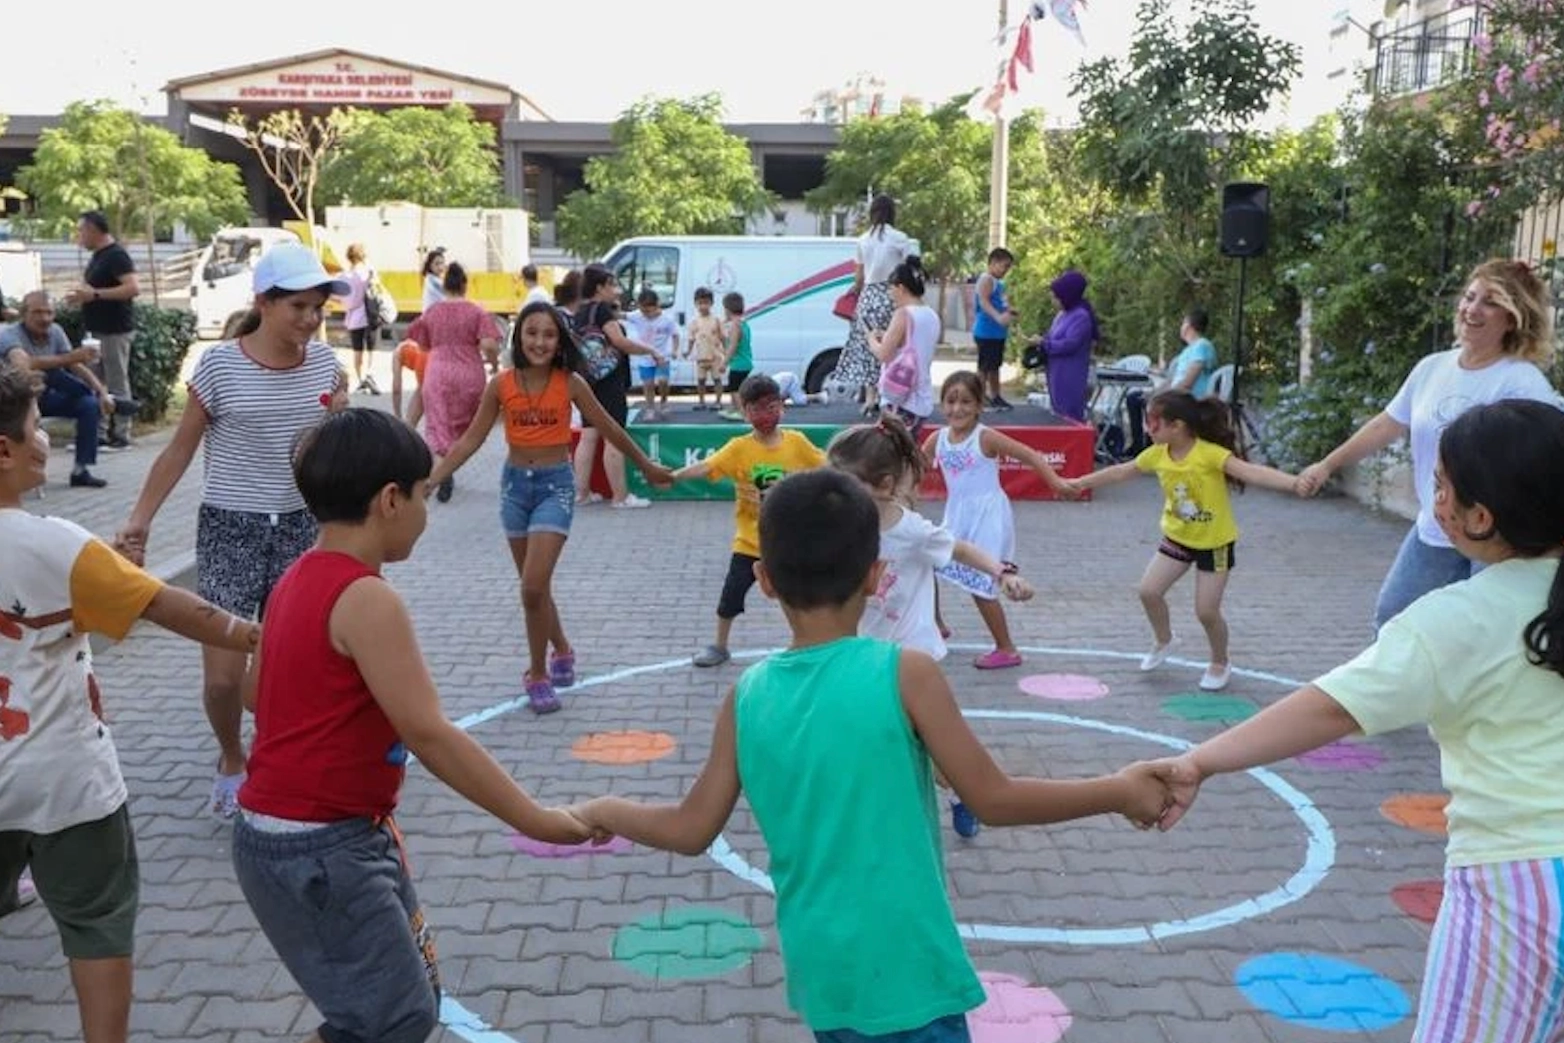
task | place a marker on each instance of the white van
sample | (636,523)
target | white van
(789,284)
(223,279)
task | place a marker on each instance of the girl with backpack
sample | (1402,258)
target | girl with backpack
(356,320)
(605,351)
(534,399)
(905,349)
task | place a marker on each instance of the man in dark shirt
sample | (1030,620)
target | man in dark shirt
(105,295)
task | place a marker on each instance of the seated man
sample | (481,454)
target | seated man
(70,388)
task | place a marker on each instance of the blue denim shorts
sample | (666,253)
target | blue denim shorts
(646,371)
(537,499)
(338,906)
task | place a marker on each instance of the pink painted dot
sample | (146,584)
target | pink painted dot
(543,849)
(1015,1012)
(1344,756)
(1073,688)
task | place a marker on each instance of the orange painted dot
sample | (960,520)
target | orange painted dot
(623,747)
(1424,812)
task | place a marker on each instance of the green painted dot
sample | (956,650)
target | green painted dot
(1198,706)
(691,941)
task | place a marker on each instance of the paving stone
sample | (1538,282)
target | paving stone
(525,942)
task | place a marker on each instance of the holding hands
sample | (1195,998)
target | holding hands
(1145,794)
(1312,479)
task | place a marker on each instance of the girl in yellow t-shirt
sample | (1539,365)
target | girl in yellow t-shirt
(1192,456)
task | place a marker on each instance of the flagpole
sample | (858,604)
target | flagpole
(999,164)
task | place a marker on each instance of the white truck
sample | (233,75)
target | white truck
(491,244)
(788,283)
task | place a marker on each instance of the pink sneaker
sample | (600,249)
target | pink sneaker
(997,660)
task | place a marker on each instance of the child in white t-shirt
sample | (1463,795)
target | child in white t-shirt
(887,461)
(657,330)
(63,800)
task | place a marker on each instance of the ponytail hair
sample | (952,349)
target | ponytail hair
(909,275)
(877,453)
(1509,457)
(1208,419)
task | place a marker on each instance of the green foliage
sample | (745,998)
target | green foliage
(457,165)
(107,158)
(675,170)
(157,353)
(1152,128)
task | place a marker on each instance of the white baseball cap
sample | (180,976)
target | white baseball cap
(294,266)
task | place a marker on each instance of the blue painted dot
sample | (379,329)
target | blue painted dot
(1322,992)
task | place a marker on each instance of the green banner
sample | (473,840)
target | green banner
(680,445)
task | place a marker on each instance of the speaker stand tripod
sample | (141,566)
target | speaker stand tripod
(1248,436)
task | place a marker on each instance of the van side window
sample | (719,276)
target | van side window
(643,266)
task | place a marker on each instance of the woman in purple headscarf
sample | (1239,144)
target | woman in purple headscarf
(1068,346)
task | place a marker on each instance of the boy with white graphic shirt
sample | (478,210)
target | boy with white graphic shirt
(62,797)
(650,325)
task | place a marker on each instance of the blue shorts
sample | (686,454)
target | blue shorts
(537,499)
(647,371)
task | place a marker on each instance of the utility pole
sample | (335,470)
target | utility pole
(999,166)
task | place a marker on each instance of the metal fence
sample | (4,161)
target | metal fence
(1415,58)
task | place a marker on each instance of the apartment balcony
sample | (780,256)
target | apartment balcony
(1424,56)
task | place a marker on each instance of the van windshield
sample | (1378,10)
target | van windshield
(231,255)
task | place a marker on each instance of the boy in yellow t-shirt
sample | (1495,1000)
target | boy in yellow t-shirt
(754,463)
(62,797)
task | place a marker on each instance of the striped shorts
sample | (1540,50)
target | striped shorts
(1496,959)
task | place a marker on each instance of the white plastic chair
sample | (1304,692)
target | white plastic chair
(1222,383)
(1134,363)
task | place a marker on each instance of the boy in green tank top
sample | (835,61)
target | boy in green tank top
(831,741)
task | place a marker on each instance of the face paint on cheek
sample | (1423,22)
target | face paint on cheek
(766,424)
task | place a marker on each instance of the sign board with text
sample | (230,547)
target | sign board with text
(342,81)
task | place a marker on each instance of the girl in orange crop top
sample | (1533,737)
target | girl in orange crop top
(537,485)
(534,419)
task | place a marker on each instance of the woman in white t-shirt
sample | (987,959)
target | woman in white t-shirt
(1504,329)
(880,250)
(905,350)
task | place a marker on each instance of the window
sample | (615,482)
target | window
(643,266)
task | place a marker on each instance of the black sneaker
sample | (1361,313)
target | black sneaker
(446,488)
(85,479)
(115,440)
(999,405)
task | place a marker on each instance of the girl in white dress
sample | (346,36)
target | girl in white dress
(887,461)
(976,507)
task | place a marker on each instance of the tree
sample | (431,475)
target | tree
(936,166)
(457,164)
(1155,129)
(107,158)
(292,147)
(1516,91)
(674,171)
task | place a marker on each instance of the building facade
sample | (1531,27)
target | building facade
(541,158)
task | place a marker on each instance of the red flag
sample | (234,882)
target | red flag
(1021,56)
(1023,51)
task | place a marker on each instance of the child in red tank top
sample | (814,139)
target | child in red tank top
(342,696)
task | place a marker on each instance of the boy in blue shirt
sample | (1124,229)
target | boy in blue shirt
(831,741)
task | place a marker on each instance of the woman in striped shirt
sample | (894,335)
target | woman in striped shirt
(250,398)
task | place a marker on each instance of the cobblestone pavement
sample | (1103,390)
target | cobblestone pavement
(559,949)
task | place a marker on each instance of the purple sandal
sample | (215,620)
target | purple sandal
(562,669)
(540,697)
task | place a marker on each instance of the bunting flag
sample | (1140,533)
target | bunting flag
(1067,12)
(997,101)
(1022,56)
